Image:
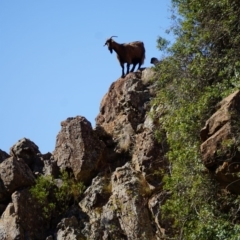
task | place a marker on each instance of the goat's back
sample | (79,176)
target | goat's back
(134,51)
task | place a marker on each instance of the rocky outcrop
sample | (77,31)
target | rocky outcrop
(14,174)
(23,218)
(119,161)
(78,148)
(221,142)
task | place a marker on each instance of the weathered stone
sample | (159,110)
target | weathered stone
(9,227)
(119,161)
(148,157)
(22,219)
(123,109)
(220,146)
(28,151)
(127,206)
(3,155)
(221,116)
(68,229)
(147,75)
(25,149)
(78,148)
(14,174)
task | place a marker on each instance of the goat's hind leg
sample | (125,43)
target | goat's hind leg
(134,65)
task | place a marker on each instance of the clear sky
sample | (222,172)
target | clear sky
(53,64)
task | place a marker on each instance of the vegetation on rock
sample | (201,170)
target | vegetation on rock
(201,68)
(56,198)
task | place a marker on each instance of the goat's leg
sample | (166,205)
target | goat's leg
(134,65)
(139,65)
(122,65)
(128,66)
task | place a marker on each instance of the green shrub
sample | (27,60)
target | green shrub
(55,198)
(200,69)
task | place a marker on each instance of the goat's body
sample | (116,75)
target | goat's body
(130,53)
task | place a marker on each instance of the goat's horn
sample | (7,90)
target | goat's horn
(112,37)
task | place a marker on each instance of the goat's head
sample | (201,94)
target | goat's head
(109,43)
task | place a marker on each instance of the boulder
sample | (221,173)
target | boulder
(23,218)
(220,147)
(122,109)
(29,152)
(14,174)
(78,148)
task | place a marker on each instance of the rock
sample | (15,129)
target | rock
(22,219)
(147,75)
(78,149)
(9,227)
(68,229)
(14,174)
(219,149)
(126,211)
(120,163)
(3,156)
(122,110)
(25,149)
(28,151)
(148,157)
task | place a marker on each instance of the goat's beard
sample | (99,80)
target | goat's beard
(110,50)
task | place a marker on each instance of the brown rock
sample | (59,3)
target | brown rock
(28,151)
(78,148)
(22,219)
(25,149)
(9,226)
(122,109)
(220,147)
(3,155)
(14,174)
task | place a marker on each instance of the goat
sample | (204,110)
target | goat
(130,53)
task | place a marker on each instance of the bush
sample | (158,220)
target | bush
(200,69)
(56,199)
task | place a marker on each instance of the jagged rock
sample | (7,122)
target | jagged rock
(78,148)
(119,161)
(154,204)
(148,157)
(25,149)
(220,147)
(3,155)
(122,109)
(125,215)
(29,152)
(97,194)
(9,227)
(126,212)
(147,75)
(14,174)
(68,229)
(22,219)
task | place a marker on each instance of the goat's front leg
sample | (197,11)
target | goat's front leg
(122,65)
(128,66)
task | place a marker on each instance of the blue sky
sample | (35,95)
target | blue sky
(53,64)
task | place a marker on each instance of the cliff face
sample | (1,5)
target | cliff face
(120,163)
